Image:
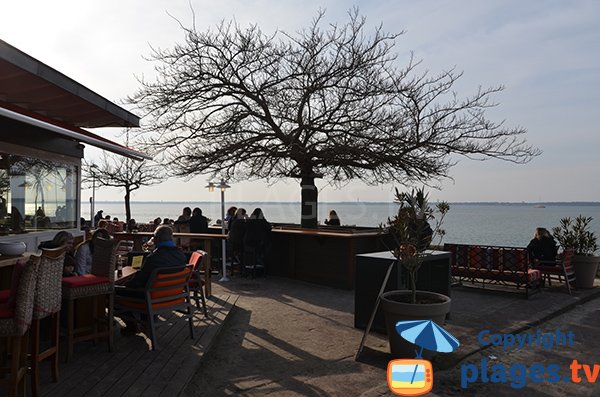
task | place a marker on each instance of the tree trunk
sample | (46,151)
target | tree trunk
(127,206)
(309,202)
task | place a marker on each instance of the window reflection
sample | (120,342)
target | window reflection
(36,194)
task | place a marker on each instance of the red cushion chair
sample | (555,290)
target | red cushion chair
(99,285)
(14,324)
(197,284)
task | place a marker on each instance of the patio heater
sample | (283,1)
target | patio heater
(211,188)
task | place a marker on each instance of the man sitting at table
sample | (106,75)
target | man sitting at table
(165,254)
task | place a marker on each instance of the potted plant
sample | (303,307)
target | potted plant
(577,236)
(411,234)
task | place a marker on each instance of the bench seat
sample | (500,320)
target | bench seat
(487,265)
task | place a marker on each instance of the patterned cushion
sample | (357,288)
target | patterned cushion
(533,275)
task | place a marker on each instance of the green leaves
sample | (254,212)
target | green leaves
(576,235)
(410,229)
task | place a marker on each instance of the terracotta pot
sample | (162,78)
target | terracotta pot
(585,268)
(396,306)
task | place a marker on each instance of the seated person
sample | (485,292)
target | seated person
(166,254)
(542,247)
(132,226)
(333,220)
(237,231)
(63,238)
(85,251)
(198,222)
(258,235)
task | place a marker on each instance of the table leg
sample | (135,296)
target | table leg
(207,267)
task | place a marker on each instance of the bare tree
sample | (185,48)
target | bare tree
(124,173)
(330,103)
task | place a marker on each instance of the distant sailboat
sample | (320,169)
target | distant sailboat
(539,206)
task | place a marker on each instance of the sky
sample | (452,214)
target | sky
(545,53)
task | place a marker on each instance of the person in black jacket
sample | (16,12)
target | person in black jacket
(334,219)
(542,247)
(257,239)
(237,232)
(198,222)
(165,254)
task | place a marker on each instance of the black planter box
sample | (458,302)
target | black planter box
(434,276)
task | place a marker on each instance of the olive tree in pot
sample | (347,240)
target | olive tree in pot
(411,233)
(577,236)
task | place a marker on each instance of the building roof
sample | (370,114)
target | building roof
(34,93)
(33,85)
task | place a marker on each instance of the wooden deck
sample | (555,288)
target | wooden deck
(135,370)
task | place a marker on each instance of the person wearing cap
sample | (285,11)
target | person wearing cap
(165,254)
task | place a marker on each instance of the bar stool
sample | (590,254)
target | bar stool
(98,285)
(47,302)
(14,324)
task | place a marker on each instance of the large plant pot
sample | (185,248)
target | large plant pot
(585,270)
(396,306)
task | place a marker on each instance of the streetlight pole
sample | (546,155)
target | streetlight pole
(93,198)
(211,187)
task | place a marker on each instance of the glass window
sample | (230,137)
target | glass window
(36,194)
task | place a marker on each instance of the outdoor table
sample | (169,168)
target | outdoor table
(127,274)
(205,237)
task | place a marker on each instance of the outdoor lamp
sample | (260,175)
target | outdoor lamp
(93,198)
(211,188)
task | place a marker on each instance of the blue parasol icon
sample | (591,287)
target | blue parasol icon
(428,335)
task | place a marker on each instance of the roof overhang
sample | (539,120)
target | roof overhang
(35,86)
(75,133)
(31,92)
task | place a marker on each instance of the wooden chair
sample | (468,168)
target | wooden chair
(167,291)
(15,320)
(99,285)
(560,270)
(197,284)
(47,302)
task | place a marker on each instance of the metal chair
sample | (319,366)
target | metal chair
(197,284)
(97,285)
(15,320)
(167,291)
(560,270)
(47,303)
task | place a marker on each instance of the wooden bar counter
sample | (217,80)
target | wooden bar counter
(325,256)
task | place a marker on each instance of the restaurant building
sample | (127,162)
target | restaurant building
(43,114)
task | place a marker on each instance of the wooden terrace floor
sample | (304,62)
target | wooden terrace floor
(135,370)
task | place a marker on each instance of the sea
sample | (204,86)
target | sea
(502,224)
